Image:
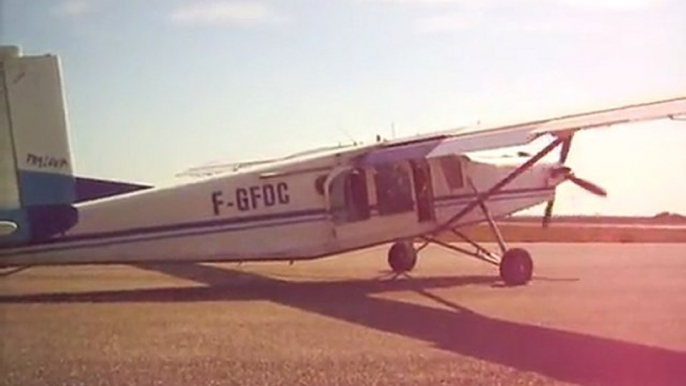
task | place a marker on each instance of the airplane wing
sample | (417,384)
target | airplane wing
(218,168)
(522,133)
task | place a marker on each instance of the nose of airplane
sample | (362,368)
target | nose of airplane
(558,173)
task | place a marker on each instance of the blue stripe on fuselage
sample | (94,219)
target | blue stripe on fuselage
(45,207)
(232,224)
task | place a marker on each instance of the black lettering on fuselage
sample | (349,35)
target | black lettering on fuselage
(269,195)
(282,193)
(217,201)
(45,162)
(242,199)
(253,197)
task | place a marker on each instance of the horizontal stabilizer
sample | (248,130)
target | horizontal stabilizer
(88,189)
(7,228)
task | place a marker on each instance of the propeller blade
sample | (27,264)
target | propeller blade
(587,185)
(564,152)
(548,212)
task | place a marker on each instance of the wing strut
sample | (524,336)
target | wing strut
(481,253)
(515,265)
(482,197)
(491,223)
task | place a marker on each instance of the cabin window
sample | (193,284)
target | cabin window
(452,170)
(348,197)
(393,189)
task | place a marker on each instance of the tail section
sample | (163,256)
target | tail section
(36,178)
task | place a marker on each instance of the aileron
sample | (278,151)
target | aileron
(631,113)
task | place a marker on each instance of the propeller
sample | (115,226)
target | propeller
(578,181)
(564,153)
(569,176)
(587,185)
(548,212)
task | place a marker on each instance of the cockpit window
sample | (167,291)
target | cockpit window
(452,170)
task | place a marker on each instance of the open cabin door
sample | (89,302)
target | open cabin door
(386,201)
(423,190)
(348,201)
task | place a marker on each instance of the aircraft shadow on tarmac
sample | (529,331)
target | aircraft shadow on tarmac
(13,271)
(563,355)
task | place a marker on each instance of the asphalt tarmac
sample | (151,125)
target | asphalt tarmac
(595,314)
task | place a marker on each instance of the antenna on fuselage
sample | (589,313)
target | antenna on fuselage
(347,135)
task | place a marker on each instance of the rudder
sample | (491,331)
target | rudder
(36,177)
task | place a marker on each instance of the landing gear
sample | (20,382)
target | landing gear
(402,257)
(515,264)
(516,267)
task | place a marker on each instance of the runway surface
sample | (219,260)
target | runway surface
(594,315)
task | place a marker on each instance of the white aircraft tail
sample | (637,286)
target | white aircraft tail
(36,179)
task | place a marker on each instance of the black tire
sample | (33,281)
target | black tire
(516,267)
(402,257)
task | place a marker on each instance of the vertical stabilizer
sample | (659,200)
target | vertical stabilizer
(36,179)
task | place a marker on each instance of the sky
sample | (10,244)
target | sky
(156,86)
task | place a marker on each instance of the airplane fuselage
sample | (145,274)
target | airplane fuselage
(292,209)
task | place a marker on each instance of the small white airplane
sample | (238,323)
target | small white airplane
(300,207)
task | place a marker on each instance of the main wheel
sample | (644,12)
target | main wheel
(402,257)
(516,267)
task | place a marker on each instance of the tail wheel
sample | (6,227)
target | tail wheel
(516,267)
(402,257)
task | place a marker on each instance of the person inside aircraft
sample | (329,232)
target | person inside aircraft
(349,201)
(357,199)
(393,189)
